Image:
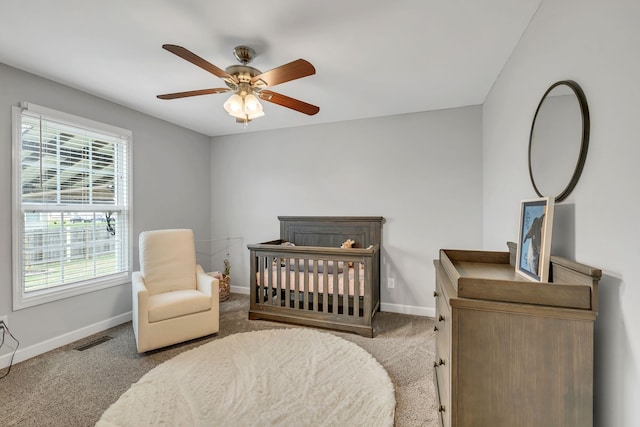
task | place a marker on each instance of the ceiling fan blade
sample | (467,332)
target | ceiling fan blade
(287,72)
(196,60)
(192,93)
(288,102)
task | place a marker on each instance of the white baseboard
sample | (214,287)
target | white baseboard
(239,290)
(408,309)
(393,308)
(53,343)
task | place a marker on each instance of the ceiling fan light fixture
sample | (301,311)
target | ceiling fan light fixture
(245,107)
(234,105)
(252,106)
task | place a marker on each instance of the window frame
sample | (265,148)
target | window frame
(22,299)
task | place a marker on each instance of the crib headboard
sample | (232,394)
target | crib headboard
(331,231)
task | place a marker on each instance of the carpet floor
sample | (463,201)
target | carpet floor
(68,387)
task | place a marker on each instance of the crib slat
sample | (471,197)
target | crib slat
(253,279)
(345,289)
(356,289)
(261,262)
(269,266)
(278,296)
(315,285)
(287,286)
(325,287)
(296,283)
(335,291)
(306,284)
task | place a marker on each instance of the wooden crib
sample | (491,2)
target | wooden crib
(315,282)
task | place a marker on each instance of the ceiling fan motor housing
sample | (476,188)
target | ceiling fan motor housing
(244,54)
(243,74)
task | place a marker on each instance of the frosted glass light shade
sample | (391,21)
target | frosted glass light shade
(252,107)
(244,108)
(234,105)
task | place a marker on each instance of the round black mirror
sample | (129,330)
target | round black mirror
(559,140)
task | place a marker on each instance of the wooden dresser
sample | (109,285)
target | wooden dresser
(512,352)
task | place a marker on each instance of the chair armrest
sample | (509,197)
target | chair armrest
(139,305)
(207,284)
(138,289)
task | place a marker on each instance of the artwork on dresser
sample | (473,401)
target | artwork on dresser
(534,242)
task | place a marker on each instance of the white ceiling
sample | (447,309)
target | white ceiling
(372,58)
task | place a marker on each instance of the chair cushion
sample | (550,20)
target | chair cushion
(168,260)
(168,305)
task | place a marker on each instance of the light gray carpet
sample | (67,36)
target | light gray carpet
(67,387)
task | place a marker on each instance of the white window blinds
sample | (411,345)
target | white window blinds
(72,185)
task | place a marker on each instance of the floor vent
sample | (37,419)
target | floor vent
(93,343)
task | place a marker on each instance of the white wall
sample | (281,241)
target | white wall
(421,172)
(171,188)
(594,42)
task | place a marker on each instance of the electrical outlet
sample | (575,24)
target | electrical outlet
(391,283)
(5,319)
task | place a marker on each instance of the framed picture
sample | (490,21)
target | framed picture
(534,242)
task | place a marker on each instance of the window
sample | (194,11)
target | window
(71,216)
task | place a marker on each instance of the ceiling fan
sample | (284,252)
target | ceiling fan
(248,83)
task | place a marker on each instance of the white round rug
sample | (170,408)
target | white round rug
(281,377)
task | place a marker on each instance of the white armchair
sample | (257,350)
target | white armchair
(174,300)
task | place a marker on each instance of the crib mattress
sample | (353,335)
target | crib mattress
(348,275)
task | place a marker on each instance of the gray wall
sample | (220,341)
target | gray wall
(422,172)
(171,188)
(594,42)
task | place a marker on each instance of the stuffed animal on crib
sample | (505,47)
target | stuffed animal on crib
(348,244)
